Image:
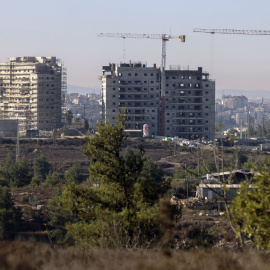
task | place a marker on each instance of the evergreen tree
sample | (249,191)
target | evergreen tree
(118,207)
(69,117)
(15,174)
(52,179)
(250,212)
(9,215)
(74,174)
(41,168)
(86,124)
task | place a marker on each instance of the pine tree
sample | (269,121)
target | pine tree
(118,207)
(250,212)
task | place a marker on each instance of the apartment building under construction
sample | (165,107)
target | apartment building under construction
(31,91)
(189,99)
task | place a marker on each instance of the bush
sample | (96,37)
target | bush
(52,179)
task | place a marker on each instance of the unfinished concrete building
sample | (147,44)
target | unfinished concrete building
(190,104)
(189,99)
(30,91)
(135,87)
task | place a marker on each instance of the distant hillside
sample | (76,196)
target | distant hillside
(253,94)
(82,90)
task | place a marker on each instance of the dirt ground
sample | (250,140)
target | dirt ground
(67,151)
(193,225)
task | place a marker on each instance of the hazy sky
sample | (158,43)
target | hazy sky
(68,30)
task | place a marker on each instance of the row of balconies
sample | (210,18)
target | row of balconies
(188,124)
(139,83)
(194,101)
(181,93)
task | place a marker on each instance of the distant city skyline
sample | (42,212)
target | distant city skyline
(68,30)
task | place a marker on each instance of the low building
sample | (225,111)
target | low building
(8,127)
(213,186)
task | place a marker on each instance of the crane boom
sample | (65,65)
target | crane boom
(233,31)
(133,35)
(164,38)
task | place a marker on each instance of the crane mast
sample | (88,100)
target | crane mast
(164,38)
(233,31)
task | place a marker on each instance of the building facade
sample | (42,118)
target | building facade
(30,91)
(189,99)
(190,104)
(135,87)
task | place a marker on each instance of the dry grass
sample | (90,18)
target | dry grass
(32,255)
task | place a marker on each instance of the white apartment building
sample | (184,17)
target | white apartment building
(30,91)
(189,99)
(234,102)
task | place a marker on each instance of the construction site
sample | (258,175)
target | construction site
(176,102)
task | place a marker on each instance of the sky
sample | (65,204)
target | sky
(68,30)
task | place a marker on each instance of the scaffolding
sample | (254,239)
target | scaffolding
(30,91)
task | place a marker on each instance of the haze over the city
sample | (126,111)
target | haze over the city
(68,29)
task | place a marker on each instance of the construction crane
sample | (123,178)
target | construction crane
(164,38)
(233,31)
(236,32)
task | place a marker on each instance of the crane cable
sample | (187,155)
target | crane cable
(212,53)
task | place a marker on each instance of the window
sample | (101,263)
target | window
(136,74)
(152,74)
(145,74)
(129,74)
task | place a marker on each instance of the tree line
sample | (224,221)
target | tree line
(123,203)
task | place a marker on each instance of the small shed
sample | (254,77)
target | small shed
(216,191)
